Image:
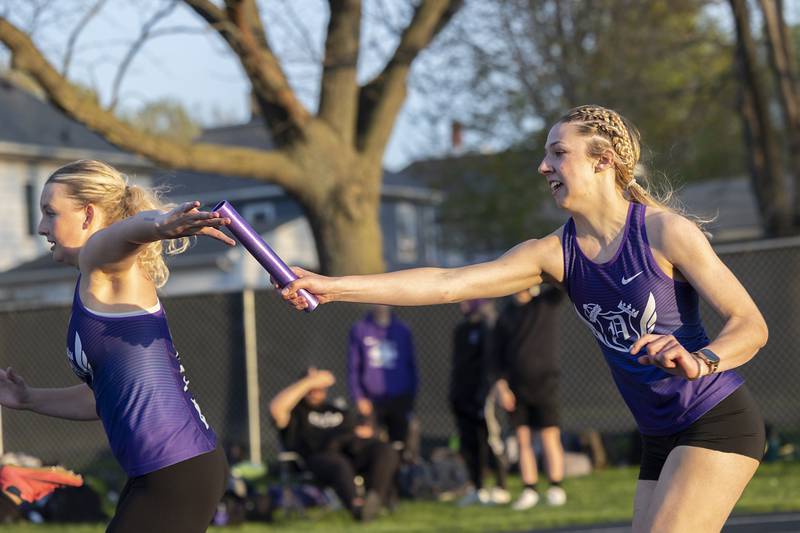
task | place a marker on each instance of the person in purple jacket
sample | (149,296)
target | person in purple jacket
(382,371)
(634,269)
(119,345)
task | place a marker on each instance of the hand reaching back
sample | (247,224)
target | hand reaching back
(186,220)
(14,392)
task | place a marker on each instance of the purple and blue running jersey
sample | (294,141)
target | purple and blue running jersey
(141,393)
(628,297)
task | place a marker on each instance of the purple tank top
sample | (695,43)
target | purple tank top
(630,296)
(142,396)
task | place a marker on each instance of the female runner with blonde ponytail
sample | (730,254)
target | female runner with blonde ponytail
(634,268)
(119,345)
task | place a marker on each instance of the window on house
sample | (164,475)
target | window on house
(407,232)
(261,215)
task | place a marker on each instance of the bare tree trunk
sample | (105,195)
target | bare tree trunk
(782,60)
(343,208)
(347,244)
(763,154)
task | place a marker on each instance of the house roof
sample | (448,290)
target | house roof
(203,185)
(26,119)
(33,129)
(251,134)
(730,204)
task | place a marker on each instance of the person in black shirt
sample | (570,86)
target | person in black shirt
(527,363)
(469,387)
(333,446)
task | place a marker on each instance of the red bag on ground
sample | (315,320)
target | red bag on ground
(30,484)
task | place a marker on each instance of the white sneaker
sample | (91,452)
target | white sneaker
(475,497)
(499,496)
(526,500)
(556,496)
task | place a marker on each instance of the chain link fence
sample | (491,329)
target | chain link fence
(209,332)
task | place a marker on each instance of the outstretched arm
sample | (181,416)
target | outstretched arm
(115,247)
(745,330)
(73,403)
(522,266)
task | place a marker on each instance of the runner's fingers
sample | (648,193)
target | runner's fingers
(670,354)
(658,344)
(643,340)
(218,235)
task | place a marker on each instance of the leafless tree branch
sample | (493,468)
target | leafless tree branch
(238,25)
(273,166)
(73,37)
(137,45)
(381,99)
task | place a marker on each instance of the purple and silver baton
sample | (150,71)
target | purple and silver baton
(262,252)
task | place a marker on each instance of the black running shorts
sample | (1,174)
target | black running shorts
(734,425)
(181,498)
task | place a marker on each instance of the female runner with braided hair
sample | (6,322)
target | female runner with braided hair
(634,269)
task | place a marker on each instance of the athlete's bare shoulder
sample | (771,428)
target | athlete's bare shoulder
(672,234)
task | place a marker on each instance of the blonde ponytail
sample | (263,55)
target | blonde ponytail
(94,182)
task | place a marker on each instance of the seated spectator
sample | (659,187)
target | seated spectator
(333,446)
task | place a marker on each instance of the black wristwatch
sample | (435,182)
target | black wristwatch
(709,358)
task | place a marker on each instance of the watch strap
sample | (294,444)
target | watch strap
(709,358)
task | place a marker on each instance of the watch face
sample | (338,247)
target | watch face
(709,355)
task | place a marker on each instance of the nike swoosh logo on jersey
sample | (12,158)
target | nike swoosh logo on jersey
(625,280)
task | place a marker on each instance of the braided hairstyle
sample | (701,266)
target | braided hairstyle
(94,182)
(608,130)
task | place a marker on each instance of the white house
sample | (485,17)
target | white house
(35,139)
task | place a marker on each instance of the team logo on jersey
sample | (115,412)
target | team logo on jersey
(619,328)
(381,353)
(78,360)
(186,389)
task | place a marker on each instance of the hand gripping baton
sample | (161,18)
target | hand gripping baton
(261,251)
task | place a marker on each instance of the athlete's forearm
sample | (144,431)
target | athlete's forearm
(142,228)
(417,286)
(430,286)
(73,403)
(739,340)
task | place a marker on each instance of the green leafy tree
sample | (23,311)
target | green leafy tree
(665,64)
(165,118)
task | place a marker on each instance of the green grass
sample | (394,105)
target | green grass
(605,496)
